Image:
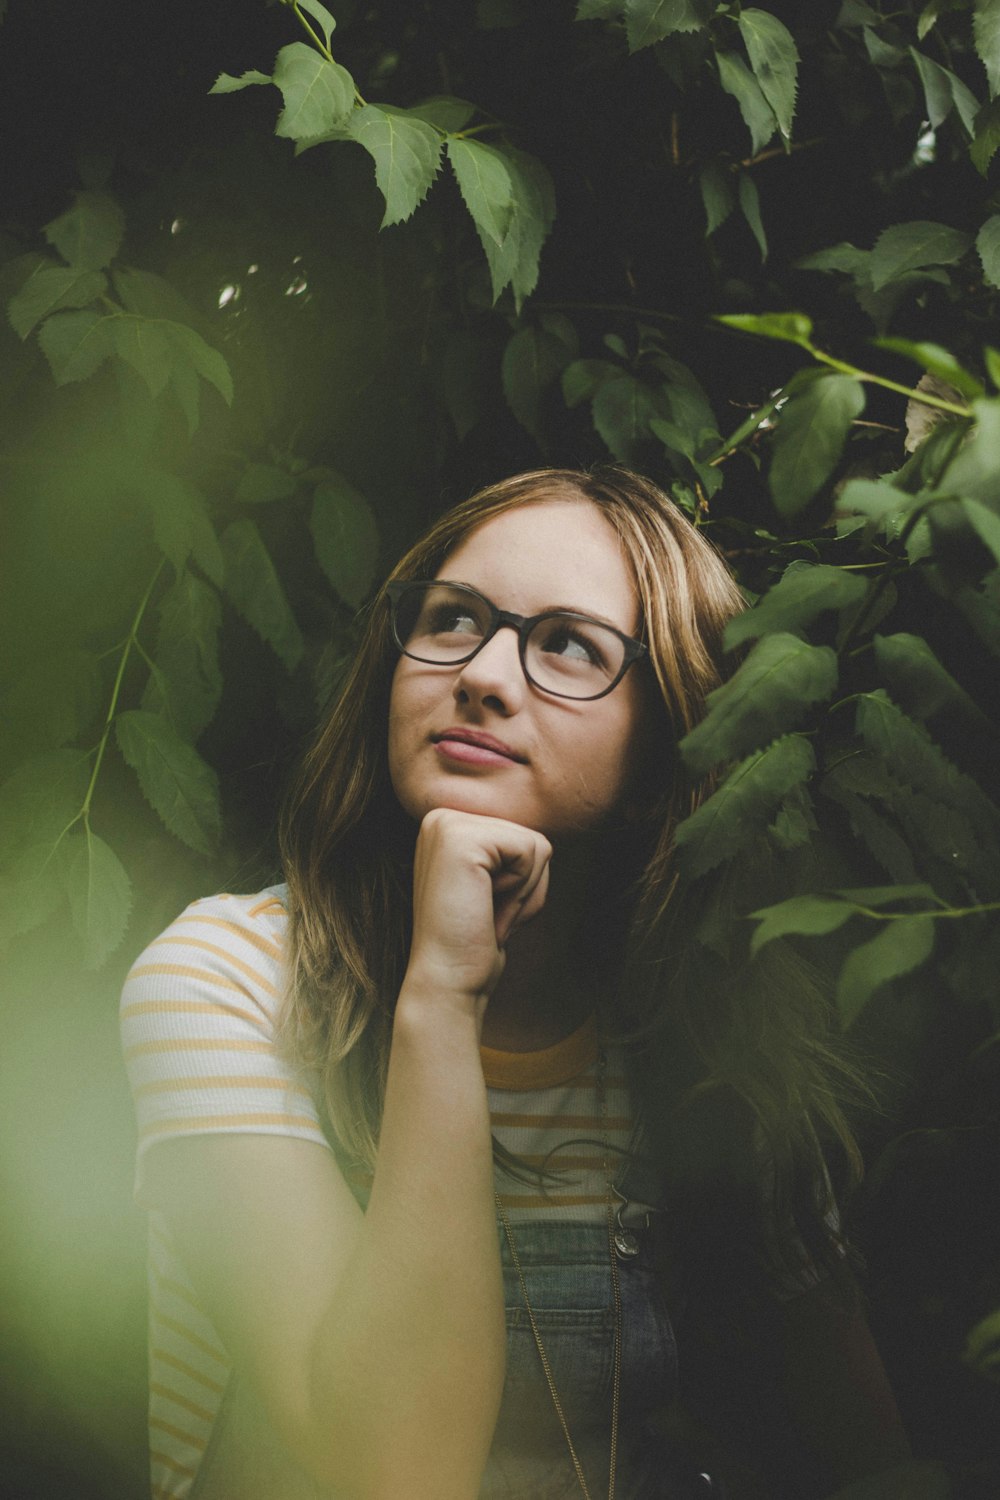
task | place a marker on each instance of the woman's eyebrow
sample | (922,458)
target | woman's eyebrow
(549,609)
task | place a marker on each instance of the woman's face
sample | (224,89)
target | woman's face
(563,765)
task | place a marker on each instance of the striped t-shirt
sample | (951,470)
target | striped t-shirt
(198,1020)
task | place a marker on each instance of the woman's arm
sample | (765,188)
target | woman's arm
(376,1340)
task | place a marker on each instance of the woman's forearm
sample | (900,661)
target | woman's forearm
(409,1359)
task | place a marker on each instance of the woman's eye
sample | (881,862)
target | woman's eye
(572,644)
(452,620)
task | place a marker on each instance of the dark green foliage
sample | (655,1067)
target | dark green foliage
(753,251)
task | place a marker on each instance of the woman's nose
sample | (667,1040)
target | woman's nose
(494,675)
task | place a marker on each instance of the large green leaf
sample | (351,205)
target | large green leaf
(810,437)
(741,808)
(769,694)
(987,243)
(791,328)
(649,21)
(986,141)
(100,895)
(514,262)
(936,83)
(406,152)
(986,524)
(775,61)
(146,346)
(255,590)
(804,916)
(758,116)
(201,358)
(905,247)
(622,410)
(76,344)
(186,684)
(88,235)
(51,289)
(346,538)
(880,836)
(32,889)
(179,786)
(718,194)
(804,591)
(532,361)
(986,31)
(444,111)
(151,296)
(318,94)
(749,201)
(484,180)
(180,523)
(583,378)
(900,947)
(975,469)
(320,13)
(936,361)
(917,680)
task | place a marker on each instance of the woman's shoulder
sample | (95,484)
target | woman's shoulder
(224,950)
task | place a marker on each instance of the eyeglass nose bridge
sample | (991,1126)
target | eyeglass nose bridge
(522,626)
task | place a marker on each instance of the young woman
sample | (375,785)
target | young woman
(433,1135)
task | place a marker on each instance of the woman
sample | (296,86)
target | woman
(384,1103)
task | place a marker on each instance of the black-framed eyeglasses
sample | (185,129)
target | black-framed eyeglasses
(562,653)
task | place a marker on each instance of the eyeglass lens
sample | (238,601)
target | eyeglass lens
(440,622)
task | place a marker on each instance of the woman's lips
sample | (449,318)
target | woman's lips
(474,749)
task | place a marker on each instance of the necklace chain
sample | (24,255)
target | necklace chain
(616,1361)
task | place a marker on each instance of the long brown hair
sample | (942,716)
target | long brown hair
(347,847)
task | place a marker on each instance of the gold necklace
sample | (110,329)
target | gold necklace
(616,1362)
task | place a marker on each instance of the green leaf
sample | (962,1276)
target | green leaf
(201,358)
(516,261)
(147,347)
(622,409)
(981,1339)
(749,199)
(876,499)
(53,701)
(76,344)
(346,538)
(805,916)
(882,839)
(937,361)
(741,808)
(986,523)
(179,786)
(445,112)
(843,257)
(50,290)
(936,83)
(986,33)
(975,469)
(407,156)
(916,679)
(774,59)
(717,194)
(40,800)
(809,439)
(769,694)
(180,523)
(738,81)
(33,890)
(791,328)
(988,245)
(187,684)
(261,483)
(583,378)
(484,180)
(649,21)
(88,235)
(804,592)
(899,948)
(322,15)
(256,592)
(987,136)
(227,84)
(151,296)
(318,94)
(991,359)
(904,247)
(100,896)
(532,361)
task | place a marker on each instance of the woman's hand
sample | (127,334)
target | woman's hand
(475,881)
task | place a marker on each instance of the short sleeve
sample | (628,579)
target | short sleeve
(198,1017)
